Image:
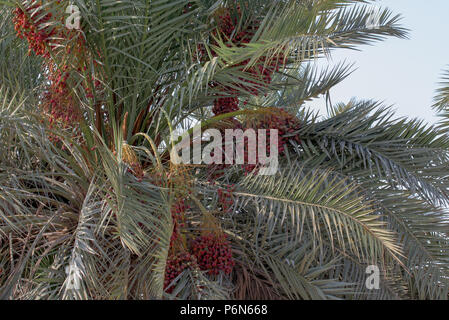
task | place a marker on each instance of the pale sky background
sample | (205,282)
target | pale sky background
(403,73)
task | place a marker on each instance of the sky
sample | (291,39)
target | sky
(402,73)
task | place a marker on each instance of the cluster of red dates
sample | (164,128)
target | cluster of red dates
(63,51)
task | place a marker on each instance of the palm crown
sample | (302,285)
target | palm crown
(92,207)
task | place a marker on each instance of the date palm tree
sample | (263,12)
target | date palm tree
(92,207)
